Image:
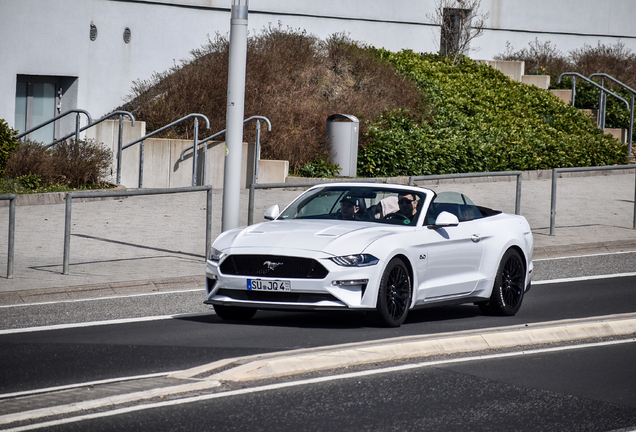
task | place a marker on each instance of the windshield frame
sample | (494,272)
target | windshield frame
(369,193)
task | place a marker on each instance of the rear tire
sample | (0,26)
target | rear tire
(508,290)
(234,312)
(394,295)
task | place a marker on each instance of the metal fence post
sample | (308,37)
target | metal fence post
(518,197)
(11,237)
(631,129)
(553,201)
(208,222)
(250,206)
(141,165)
(120,141)
(77,127)
(257,150)
(67,233)
(195,151)
(11,240)
(634,224)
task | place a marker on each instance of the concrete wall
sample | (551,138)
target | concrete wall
(51,38)
(163,167)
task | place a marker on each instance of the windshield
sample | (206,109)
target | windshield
(358,203)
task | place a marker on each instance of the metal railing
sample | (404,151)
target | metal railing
(113,194)
(603,90)
(77,122)
(95,123)
(11,239)
(257,152)
(603,101)
(253,187)
(158,131)
(518,174)
(120,136)
(555,173)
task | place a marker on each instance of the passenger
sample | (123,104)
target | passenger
(408,207)
(349,209)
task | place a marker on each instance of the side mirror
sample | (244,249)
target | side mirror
(445,219)
(272,212)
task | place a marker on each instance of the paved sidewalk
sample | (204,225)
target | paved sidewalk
(156,243)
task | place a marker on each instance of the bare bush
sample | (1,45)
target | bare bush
(541,58)
(71,163)
(545,58)
(614,60)
(293,78)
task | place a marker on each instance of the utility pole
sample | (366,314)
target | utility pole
(234,115)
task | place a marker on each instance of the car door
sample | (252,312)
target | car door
(454,252)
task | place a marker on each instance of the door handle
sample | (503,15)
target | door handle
(475,238)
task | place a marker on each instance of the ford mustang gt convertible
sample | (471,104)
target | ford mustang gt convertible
(381,248)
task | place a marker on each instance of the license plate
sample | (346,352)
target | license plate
(268,285)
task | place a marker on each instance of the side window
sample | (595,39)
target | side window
(455,203)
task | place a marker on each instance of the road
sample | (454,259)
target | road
(590,389)
(583,386)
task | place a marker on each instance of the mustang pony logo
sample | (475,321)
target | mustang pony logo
(272,265)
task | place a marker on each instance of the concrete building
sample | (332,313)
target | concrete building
(67,54)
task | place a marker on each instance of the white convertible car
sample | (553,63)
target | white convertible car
(381,248)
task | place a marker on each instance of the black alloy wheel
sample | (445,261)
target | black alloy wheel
(508,290)
(394,295)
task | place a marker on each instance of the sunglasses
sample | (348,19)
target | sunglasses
(405,201)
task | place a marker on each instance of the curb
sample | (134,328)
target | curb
(295,362)
(57,197)
(103,290)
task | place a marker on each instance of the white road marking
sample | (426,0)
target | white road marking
(101,323)
(582,278)
(103,298)
(310,381)
(585,256)
(84,384)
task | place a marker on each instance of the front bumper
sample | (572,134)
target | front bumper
(342,288)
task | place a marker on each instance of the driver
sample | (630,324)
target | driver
(349,209)
(408,206)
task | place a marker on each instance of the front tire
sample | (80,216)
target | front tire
(234,312)
(394,295)
(508,290)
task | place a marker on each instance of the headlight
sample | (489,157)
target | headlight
(359,260)
(216,255)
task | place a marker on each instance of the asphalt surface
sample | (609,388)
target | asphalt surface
(525,393)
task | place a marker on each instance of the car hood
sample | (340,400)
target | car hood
(329,236)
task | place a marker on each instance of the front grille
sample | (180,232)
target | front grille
(273,266)
(281,297)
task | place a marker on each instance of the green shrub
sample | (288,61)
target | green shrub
(615,60)
(319,168)
(483,121)
(8,144)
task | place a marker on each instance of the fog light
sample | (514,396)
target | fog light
(350,282)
